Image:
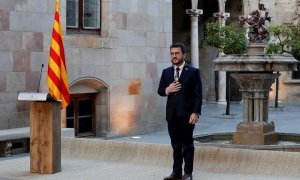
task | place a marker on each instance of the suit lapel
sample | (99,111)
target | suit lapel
(183,73)
(171,74)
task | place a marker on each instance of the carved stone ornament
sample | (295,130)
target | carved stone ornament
(257,31)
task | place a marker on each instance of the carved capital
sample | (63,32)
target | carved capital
(222,15)
(194,12)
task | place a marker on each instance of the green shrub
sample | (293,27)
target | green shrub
(286,39)
(225,38)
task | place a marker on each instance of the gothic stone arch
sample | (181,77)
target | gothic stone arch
(91,85)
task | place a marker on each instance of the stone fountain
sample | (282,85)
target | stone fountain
(254,73)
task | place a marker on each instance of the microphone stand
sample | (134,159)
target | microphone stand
(38,89)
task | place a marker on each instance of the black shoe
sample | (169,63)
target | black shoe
(174,176)
(187,177)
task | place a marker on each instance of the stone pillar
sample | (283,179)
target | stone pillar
(222,87)
(194,14)
(222,16)
(255,129)
(212,75)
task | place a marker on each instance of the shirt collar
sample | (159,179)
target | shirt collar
(181,66)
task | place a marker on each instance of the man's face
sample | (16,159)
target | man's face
(177,57)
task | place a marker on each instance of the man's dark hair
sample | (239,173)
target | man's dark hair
(179,45)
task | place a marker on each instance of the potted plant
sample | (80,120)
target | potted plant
(226,38)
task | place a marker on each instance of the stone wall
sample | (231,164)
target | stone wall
(128,57)
(24,28)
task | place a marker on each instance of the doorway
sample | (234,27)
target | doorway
(81,114)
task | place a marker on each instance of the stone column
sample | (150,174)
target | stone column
(255,128)
(212,83)
(194,14)
(222,87)
(222,16)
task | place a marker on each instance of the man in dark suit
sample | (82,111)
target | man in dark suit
(182,84)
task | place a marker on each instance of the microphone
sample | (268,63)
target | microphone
(38,89)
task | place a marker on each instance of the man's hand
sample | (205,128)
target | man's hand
(194,118)
(173,87)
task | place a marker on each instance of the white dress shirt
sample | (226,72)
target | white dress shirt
(181,67)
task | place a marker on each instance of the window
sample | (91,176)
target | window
(296,74)
(81,114)
(83,16)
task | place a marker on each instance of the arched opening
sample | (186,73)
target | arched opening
(182,33)
(235,8)
(207,54)
(88,110)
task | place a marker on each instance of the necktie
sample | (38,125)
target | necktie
(177,74)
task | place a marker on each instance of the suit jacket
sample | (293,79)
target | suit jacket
(186,101)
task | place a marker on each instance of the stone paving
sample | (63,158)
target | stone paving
(225,164)
(213,120)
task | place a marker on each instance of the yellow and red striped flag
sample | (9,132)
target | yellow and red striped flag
(57,73)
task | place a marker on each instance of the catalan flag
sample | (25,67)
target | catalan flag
(57,79)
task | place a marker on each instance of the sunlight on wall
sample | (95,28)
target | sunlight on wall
(282,92)
(123,119)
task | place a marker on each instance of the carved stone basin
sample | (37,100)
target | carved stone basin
(254,74)
(255,63)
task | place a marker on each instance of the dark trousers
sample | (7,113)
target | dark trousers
(181,134)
